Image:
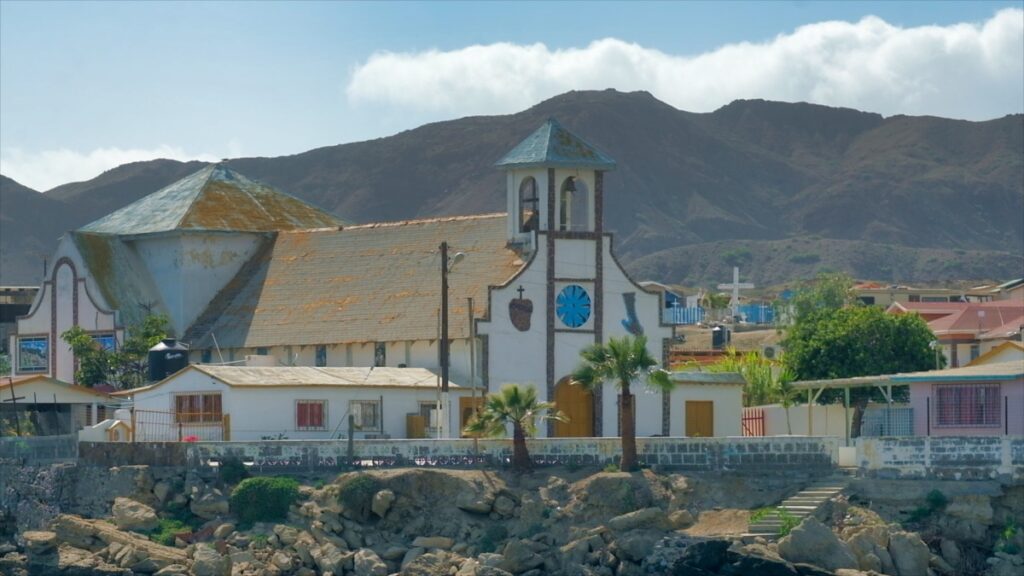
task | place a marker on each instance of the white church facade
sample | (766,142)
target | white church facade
(243,270)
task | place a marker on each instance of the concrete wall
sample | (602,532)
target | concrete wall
(826,420)
(948,458)
(728,407)
(1011,412)
(740,455)
(26,450)
(256,412)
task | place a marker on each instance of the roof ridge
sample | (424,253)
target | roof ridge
(398,223)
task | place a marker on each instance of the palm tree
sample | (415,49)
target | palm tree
(519,406)
(622,361)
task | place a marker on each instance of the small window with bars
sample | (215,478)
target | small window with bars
(311,414)
(198,408)
(967,406)
(366,414)
(321,355)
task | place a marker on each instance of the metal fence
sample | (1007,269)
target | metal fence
(887,421)
(39,449)
(750,313)
(158,426)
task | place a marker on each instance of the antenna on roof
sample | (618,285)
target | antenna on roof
(217,346)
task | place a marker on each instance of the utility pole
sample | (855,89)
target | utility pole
(445,357)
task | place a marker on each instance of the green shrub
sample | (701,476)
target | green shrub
(936,500)
(167,530)
(613,467)
(761,514)
(788,520)
(356,495)
(263,499)
(232,471)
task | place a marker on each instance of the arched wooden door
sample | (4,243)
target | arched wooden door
(578,404)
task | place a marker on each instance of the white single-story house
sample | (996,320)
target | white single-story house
(241,403)
(50,406)
(705,404)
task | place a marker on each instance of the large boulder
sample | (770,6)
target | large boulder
(367,563)
(211,504)
(206,561)
(429,542)
(814,543)
(476,502)
(95,535)
(382,502)
(909,553)
(131,515)
(646,518)
(520,557)
(635,545)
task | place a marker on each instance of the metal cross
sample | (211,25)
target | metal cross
(520,290)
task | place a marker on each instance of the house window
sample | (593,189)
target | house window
(321,355)
(914,298)
(380,354)
(34,354)
(975,351)
(261,351)
(106,341)
(207,356)
(311,414)
(198,408)
(528,205)
(366,414)
(967,406)
(867,300)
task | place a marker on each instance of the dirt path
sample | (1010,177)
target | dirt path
(725,522)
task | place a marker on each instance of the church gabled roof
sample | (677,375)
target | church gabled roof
(366,283)
(552,145)
(214,198)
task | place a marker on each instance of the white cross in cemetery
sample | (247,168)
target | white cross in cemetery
(734,302)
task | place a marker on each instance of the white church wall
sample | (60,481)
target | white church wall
(516,356)
(575,258)
(189,269)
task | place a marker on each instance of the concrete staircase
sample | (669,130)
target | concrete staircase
(800,505)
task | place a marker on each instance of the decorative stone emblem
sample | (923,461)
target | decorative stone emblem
(520,310)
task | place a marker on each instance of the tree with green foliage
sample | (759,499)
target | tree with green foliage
(622,361)
(516,405)
(125,366)
(263,498)
(767,381)
(830,291)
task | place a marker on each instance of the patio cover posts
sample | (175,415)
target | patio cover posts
(816,387)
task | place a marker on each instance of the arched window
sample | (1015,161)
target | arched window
(574,206)
(528,205)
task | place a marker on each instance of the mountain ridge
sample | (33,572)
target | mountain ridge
(750,171)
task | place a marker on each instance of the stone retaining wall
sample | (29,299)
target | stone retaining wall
(109,454)
(697,454)
(945,457)
(27,450)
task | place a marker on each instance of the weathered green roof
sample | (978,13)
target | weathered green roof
(552,145)
(214,198)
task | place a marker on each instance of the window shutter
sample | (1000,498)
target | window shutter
(316,415)
(303,415)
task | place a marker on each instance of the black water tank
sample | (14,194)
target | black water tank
(717,337)
(166,358)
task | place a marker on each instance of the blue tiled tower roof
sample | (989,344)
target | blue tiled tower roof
(554,146)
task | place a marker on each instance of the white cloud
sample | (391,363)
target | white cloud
(966,70)
(49,168)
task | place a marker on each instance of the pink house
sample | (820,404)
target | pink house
(981,400)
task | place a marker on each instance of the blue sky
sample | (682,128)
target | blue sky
(87,86)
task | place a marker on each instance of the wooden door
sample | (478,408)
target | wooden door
(700,418)
(466,411)
(578,405)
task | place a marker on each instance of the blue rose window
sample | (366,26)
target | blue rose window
(573,306)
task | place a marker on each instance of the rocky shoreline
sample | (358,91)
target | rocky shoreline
(487,523)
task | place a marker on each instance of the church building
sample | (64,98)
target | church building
(244,270)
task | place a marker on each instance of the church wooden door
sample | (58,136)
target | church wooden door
(578,404)
(700,419)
